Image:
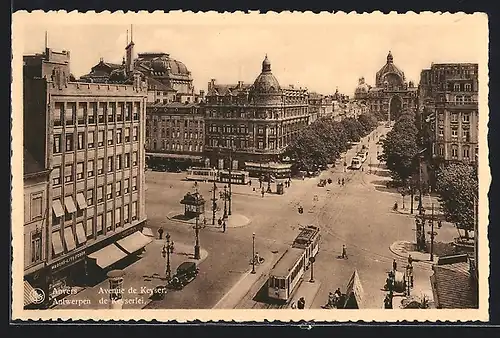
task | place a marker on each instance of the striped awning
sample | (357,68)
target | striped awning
(30,294)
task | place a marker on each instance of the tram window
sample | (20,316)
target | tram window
(271,282)
(282,283)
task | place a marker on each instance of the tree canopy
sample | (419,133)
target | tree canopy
(400,148)
(457,185)
(324,140)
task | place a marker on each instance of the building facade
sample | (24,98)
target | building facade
(319,106)
(91,138)
(448,102)
(36,208)
(391,94)
(252,123)
(175,135)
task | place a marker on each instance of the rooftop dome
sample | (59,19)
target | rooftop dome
(389,69)
(266,82)
(164,63)
(362,87)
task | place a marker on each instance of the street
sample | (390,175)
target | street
(358,214)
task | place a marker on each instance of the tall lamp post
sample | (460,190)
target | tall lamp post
(224,196)
(199,201)
(230,175)
(168,248)
(253,253)
(214,201)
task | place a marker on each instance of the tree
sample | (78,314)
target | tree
(368,121)
(457,185)
(400,148)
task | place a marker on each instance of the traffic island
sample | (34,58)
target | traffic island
(233,221)
(405,248)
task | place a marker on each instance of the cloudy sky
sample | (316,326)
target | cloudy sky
(318,52)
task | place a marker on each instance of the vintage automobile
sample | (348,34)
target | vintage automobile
(185,274)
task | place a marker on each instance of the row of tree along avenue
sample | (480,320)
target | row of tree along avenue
(400,149)
(323,141)
(456,183)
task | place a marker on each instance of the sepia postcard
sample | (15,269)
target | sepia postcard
(176,166)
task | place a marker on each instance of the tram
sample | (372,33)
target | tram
(237,176)
(210,174)
(356,162)
(286,274)
(201,174)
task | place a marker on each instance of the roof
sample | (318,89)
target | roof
(30,165)
(158,85)
(305,237)
(228,89)
(172,105)
(286,262)
(453,286)
(175,156)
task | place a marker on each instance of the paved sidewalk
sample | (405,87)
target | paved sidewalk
(141,277)
(399,248)
(241,289)
(307,290)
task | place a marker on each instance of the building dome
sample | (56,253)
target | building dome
(389,72)
(362,87)
(266,82)
(165,64)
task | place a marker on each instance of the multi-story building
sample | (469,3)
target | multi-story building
(255,122)
(91,138)
(36,209)
(319,106)
(391,93)
(448,98)
(175,134)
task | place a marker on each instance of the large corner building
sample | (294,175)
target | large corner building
(90,138)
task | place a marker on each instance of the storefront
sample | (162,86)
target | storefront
(67,273)
(103,257)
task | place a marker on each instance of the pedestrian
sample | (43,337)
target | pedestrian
(388,302)
(410,259)
(160,233)
(301,303)
(262,192)
(343,181)
(394,265)
(340,182)
(344,252)
(410,274)
(219,221)
(293,306)
(224,226)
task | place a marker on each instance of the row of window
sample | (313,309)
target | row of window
(466,151)
(92,198)
(114,163)
(94,112)
(454,133)
(90,228)
(165,145)
(174,122)
(88,141)
(176,134)
(242,144)
(461,87)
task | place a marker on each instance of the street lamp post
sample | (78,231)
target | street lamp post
(420,185)
(214,201)
(230,175)
(225,202)
(168,248)
(432,233)
(312,260)
(269,178)
(253,253)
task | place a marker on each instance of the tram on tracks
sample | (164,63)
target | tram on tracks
(210,174)
(286,274)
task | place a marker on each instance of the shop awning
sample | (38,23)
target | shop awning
(70,204)
(134,242)
(80,199)
(57,245)
(57,207)
(80,233)
(69,239)
(108,255)
(30,294)
(148,232)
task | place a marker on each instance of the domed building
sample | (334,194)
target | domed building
(253,123)
(391,93)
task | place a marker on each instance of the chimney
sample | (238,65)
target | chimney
(202,94)
(240,84)
(211,84)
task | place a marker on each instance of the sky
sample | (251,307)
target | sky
(321,53)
